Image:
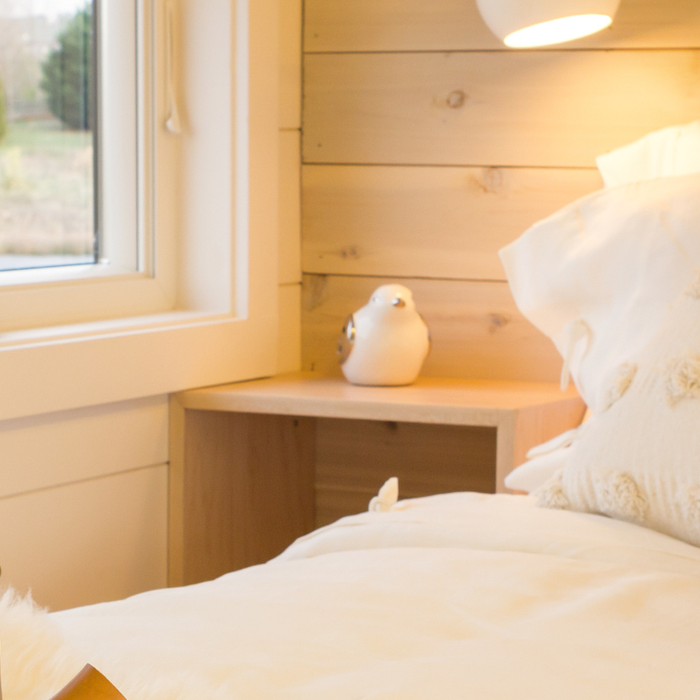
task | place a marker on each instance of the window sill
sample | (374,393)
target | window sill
(99,329)
(55,369)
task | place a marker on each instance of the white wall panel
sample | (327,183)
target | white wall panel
(290,207)
(97,540)
(289,343)
(290,64)
(59,448)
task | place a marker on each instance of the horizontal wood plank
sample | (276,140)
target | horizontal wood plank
(542,108)
(477,332)
(426,222)
(450,25)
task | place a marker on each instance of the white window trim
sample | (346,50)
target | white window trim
(200,343)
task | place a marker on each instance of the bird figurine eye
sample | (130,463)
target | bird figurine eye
(349,329)
(398,302)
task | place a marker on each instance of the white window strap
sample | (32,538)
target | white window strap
(172,122)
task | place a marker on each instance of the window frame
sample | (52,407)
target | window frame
(213,331)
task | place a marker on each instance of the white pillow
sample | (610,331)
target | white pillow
(665,153)
(640,460)
(544,461)
(530,475)
(598,276)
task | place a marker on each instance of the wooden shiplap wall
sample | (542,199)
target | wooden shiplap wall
(427,146)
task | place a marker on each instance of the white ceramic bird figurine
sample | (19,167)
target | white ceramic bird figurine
(386,341)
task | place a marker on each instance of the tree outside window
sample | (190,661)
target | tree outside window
(46,156)
(67,74)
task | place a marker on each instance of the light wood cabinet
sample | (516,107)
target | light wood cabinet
(257,464)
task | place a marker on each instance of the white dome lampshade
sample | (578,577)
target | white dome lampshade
(528,23)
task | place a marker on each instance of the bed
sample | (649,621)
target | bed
(453,596)
(589,587)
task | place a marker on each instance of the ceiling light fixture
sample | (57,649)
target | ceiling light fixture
(528,23)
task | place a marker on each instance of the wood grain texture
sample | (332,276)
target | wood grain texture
(89,684)
(437,435)
(472,402)
(248,489)
(541,108)
(476,330)
(426,222)
(354,458)
(449,25)
(176,494)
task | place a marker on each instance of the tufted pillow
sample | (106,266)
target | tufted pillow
(545,460)
(530,475)
(598,276)
(664,153)
(640,460)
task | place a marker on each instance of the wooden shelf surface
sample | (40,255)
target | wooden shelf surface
(429,400)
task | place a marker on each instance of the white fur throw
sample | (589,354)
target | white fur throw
(640,459)
(36,662)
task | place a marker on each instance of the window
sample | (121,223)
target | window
(69,148)
(75,163)
(47,149)
(198,306)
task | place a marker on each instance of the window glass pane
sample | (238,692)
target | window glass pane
(47,154)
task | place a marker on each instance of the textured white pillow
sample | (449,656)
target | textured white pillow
(544,461)
(530,475)
(598,276)
(640,460)
(665,153)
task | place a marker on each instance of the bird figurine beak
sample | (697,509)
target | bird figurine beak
(398,302)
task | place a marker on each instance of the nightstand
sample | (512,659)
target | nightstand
(257,464)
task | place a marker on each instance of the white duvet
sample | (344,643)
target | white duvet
(455,596)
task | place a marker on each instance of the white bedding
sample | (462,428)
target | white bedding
(454,596)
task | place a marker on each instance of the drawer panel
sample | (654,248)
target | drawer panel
(355,457)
